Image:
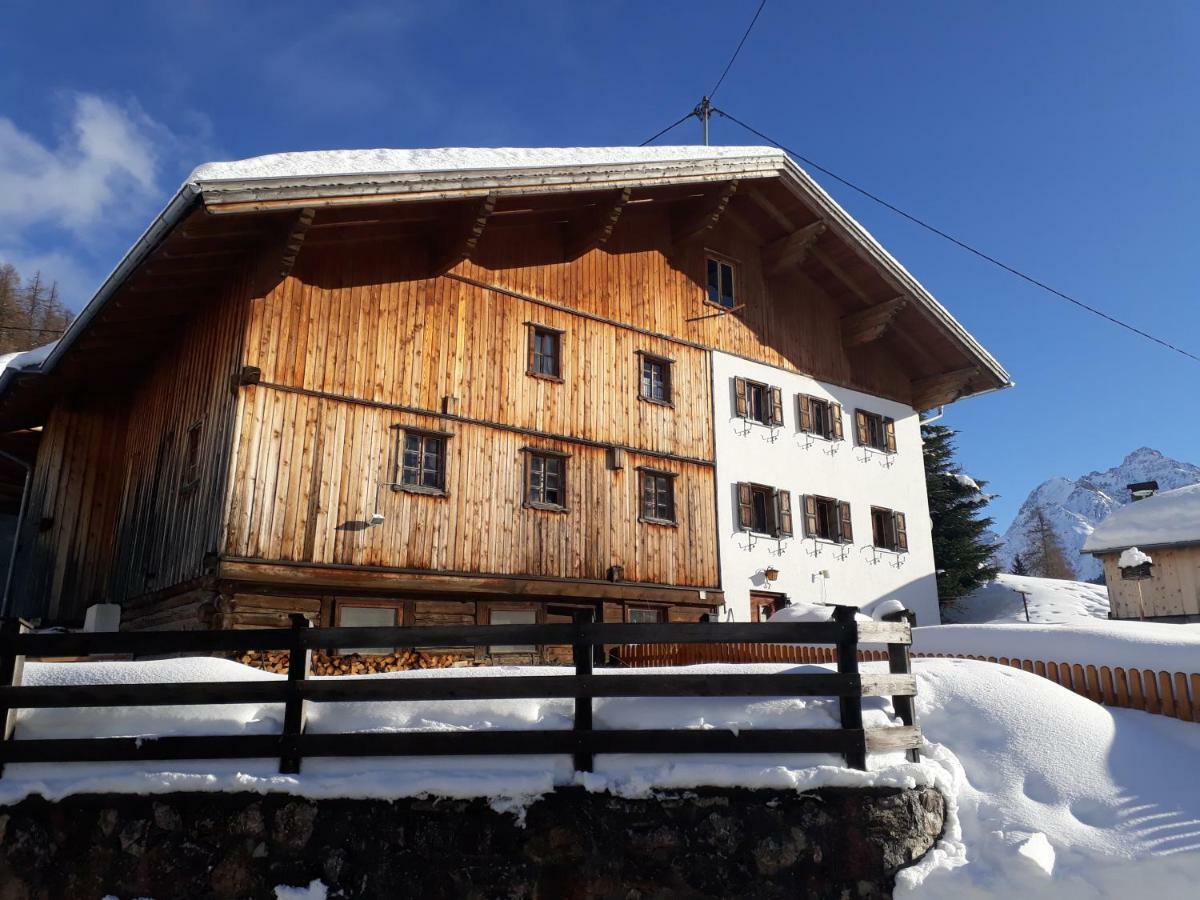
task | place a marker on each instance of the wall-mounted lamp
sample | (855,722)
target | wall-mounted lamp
(376,519)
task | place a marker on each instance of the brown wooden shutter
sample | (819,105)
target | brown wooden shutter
(846,527)
(532,338)
(806,423)
(810,515)
(889,434)
(901,531)
(739,397)
(783,513)
(745,507)
(776,406)
(860,425)
(835,421)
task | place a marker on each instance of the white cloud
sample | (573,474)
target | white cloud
(106,158)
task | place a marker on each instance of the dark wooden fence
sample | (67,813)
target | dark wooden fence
(586,638)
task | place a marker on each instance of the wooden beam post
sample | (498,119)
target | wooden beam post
(944,388)
(11,667)
(581,651)
(299,662)
(847,664)
(705,217)
(595,231)
(872,323)
(462,244)
(791,250)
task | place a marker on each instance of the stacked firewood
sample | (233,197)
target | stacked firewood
(354,663)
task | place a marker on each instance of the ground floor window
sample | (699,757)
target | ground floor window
(512,617)
(365,617)
(646,615)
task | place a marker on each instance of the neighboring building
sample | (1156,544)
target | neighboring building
(478,386)
(1165,526)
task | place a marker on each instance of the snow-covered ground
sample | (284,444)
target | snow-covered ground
(1050,795)
(1050,601)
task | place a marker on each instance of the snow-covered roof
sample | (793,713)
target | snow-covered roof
(324,163)
(26,358)
(380,175)
(1169,518)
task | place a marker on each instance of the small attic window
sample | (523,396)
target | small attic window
(721,286)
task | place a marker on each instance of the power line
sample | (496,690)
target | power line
(1012,270)
(729,65)
(651,140)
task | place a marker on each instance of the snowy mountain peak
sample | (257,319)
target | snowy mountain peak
(1073,507)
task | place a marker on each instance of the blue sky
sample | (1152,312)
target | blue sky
(1061,137)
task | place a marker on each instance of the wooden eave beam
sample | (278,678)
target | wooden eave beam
(463,243)
(705,218)
(872,323)
(764,203)
(598,228)
(279,253)
(791,250)
(947,387)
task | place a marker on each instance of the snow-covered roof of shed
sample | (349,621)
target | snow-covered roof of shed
(323,163)
(1172,517)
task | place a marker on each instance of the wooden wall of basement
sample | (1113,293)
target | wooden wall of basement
(107,518)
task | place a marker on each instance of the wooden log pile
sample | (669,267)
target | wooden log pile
(355,663)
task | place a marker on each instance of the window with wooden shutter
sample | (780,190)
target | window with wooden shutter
(889,435)
(655,382)
(810,516)
(745,509)
(783,513)
(862,427)
(845,526)
(901,528)
(804,405)
(545,352)
(739,397)
(875,431)
(776,406)
(835,420)
(421,461)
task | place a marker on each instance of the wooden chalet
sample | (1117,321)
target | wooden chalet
(411,386)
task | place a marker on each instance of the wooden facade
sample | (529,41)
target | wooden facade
(1171,593)
(242,462)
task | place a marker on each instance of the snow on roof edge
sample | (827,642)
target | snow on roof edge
(1170,518)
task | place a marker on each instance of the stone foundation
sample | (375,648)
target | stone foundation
(715,843)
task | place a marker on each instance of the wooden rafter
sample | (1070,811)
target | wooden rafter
(295,240)
(791,250)
(944,388)
(872,323)
(595,231)
(278,253)
(465,238)
(764,203)
(704,218)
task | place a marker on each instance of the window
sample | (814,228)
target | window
(645,615)
(656,379)
(545,479)
(545,352)
(191,459)
(757,402)
(875,431)
(720,283)
(820,417)
(658,496)
(826,519)
(423,462)
(512,617)
(366,617)
(889,530)
(764,510)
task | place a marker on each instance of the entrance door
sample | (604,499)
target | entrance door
(764,603)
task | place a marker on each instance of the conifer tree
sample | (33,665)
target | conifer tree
(1018,566)
(1044,554)
(962,554)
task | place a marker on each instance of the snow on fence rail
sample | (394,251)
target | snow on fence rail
(587,640)
(1174,694)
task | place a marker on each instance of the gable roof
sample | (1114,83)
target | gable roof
(291,181)
(1164,520)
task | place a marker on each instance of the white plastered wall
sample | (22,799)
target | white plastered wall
(783,457)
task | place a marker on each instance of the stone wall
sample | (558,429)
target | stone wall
(707,843)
